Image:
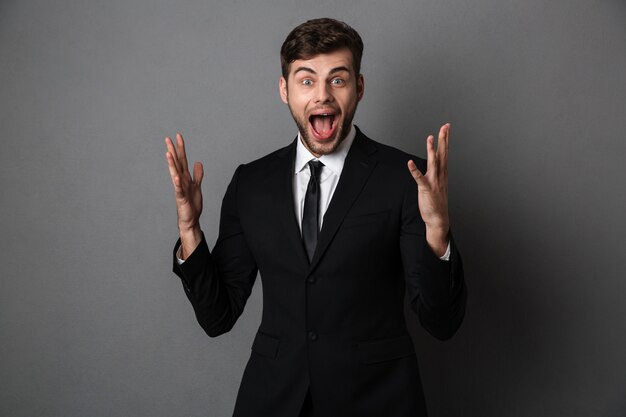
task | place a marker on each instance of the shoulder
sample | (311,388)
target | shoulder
(267,164)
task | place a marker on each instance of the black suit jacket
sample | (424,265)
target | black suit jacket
(335,325)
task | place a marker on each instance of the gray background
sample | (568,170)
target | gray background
(92,321)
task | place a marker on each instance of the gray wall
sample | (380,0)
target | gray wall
(92,321)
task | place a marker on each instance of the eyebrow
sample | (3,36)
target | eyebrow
(310,70)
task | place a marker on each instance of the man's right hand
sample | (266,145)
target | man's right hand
(188,194)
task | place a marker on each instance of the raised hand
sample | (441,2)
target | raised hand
(188,194)
(432,191)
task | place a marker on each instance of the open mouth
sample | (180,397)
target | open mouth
(323,125)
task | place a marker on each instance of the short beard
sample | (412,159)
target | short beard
(316,148)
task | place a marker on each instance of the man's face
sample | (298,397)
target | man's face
(322,94)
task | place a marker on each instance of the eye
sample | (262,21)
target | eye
(307,82)
(337,81)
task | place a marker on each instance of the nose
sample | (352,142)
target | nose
(323,93)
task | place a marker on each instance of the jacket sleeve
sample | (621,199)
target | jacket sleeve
(436,288)
(219,283)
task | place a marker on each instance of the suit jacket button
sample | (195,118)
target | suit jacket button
(312,335)
(311,279)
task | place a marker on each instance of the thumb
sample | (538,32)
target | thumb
(198,173)
(415,173)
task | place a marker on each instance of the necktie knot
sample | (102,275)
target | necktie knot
(316,168)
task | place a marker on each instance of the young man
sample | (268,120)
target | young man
(339,226)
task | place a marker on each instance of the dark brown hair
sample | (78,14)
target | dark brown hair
(320,36)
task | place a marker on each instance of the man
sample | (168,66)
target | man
(338,228)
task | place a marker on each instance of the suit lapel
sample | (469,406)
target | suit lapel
(356,170)
(284,201)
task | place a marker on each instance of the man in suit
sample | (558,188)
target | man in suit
(339,227)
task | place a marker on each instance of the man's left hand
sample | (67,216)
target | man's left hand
(432,191)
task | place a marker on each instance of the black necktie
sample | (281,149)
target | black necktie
(310,218)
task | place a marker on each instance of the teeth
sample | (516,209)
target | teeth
(324,114)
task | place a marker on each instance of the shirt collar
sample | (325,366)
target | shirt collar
(333,161)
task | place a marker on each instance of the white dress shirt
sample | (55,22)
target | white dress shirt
(329,176)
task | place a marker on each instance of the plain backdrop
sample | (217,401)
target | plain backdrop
(94,323)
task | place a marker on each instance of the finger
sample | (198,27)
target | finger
(174,174)
(431,162)
(415,173)
(198,173)
(442,148)
(172,150)
(442,142)
(182,155)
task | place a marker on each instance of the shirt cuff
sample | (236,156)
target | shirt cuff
(444,257)
(182,261)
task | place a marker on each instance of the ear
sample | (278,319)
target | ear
(360,87)
(283,89)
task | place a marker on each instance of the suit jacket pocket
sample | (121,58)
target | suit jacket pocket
(385,349)
(365,219)
(265,345)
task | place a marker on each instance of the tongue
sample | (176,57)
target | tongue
(322,125)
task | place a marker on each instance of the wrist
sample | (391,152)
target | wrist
(190,238)
(438,239)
